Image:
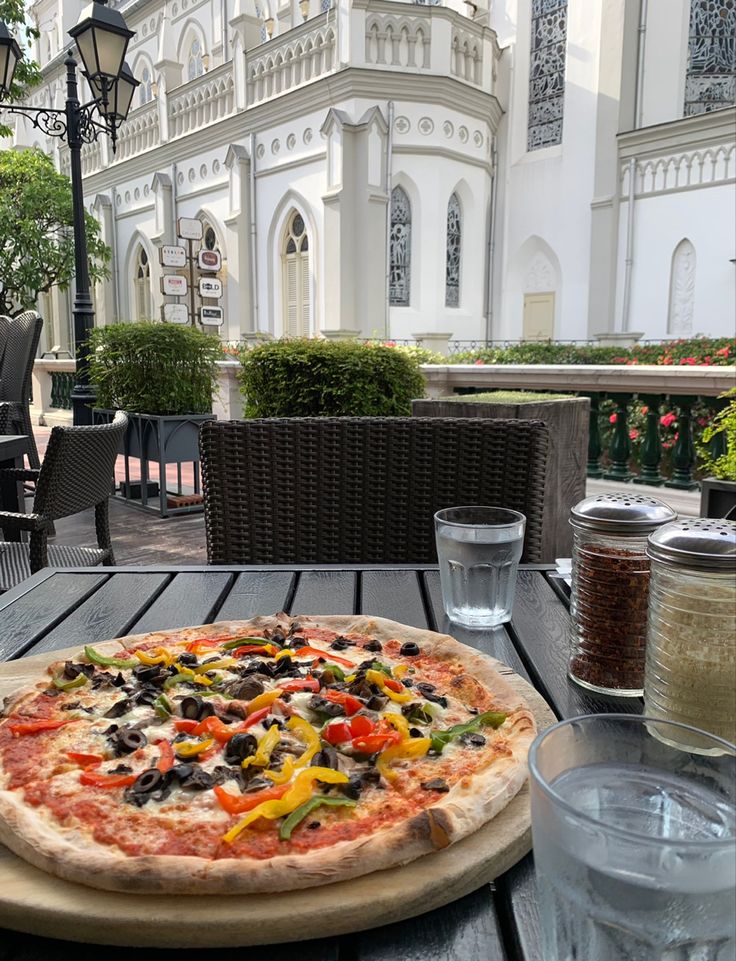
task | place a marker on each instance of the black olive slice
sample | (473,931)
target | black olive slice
(424,687)
(118,709)
(327,757)
(247,689)
(128,740)
(409,649)
(373,645)
(239,747)
(188,658)
(149,780)
(340,644)
(146,672)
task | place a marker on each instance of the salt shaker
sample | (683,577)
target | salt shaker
(610,589)
(691,646)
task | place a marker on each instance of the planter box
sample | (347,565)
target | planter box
(163,440)
(567,419)
(717,497)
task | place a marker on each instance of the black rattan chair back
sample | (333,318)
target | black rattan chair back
(4,331)
(361,490)
(78,468)
(16,370)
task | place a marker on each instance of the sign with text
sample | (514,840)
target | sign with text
(173,285)
(210,287)
(211,316)
(172,256)
(189,228)
(175,313)
(209,260)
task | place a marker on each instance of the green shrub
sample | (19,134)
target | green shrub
(154,368)
(724,423)
(322,378)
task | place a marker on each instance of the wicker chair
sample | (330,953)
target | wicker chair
(361,489)
(76,474)
(16,370)
(5,323)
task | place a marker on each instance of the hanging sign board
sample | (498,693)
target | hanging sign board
(211,316)
(173,285)
(189,228)
(210,287)
(172,256)
(175,313)
(209,260)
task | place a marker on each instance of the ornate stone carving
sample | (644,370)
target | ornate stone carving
(540,277)
(682,290)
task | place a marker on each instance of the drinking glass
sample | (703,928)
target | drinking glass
(634,841)
(479,549)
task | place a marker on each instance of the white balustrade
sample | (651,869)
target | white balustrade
(139,133)
(301,55)
(203,101)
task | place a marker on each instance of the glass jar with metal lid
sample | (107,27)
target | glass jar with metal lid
(691,645)
(610,589)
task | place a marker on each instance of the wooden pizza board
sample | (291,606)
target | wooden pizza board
(41,904)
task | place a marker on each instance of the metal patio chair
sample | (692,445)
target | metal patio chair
(16,369)
(361,489)
(75,475)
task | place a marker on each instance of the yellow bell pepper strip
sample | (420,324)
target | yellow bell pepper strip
(102,661)
(400,670)
(487,719)
(193,748)
(221,665)
(159,656)
(284,775)
(61,685)
(399,722)
(190,678)
(304,810)
(297,794)
(379,679)
(414,747)
(263,700)
(305,732)
(265,748)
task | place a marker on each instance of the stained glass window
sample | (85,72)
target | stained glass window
(546,72)
(711,61)
(145,91)
(195,65)
(400,252)
(142,285)
(452,267)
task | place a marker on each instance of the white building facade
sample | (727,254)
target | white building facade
(545,168)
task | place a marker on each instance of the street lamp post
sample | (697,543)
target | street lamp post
(102,39)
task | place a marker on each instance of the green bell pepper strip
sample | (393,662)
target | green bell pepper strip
(178,679)
(95,658)
(242,641)
(334,669)
(298,814)
(377,666)
(162,706)
(79,681)
(441,738)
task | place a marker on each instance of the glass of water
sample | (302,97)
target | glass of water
(479,549)
(634,841)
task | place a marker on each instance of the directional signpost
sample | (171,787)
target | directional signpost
(210,287)
(175,313)
(210,260)
(211,316)
(183,258)
(173,256)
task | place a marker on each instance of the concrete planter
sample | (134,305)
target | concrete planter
(717,497)
(567,420)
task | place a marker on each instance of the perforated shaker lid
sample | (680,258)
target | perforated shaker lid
(701,542)
(623,512)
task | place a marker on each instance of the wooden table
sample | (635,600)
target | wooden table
(12,449)
(499,922)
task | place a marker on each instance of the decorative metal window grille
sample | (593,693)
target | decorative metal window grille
(547,73)
(142,284)
(325,5)
(711,62)
(210,237)
(400,249)
(452,267)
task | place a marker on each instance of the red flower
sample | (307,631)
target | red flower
(667,360)
(613,418)
(724,351)
(687,361)
(479,361)
(702,421)
(645,410)
(633,433)
(667,420)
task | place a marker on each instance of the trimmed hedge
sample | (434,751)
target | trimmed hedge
(154,368)
(322,378)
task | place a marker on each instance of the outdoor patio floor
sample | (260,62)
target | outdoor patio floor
(142,537)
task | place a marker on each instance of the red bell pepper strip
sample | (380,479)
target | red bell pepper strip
(383,735)
(217,728)
(351,704)
(327,655)
(235,804)
(98,779)
(186,725)
(338,732)
(36,727)
(396,686)
(252,719)
(85,760)
(204,643)
(167,759)
(308,683)
(254,649)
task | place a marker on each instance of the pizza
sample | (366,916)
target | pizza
(257,756)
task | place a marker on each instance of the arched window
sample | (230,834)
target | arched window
(195,61)
(145,91)
(400,249)
(209,237)
(142,285)
(547,73)
(452,264)
(296,278)
(711,62)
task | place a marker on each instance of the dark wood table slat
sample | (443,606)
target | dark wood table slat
(393,594)
(495,642)
(516,898)
(465,930)
(188,600)
(32,615)
(257,593)
(325,592)
(540,629)
(109,612)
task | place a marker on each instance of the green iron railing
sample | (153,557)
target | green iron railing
(62,384)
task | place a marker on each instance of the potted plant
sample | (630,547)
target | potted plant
(164,377)
(718,489)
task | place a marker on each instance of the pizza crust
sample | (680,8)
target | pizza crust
(70,853)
